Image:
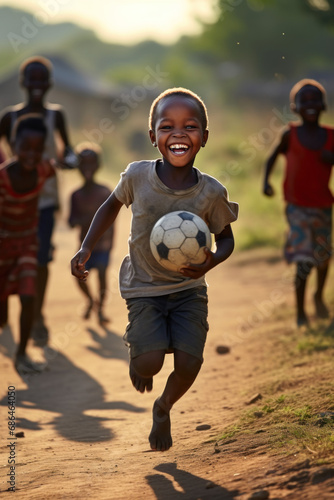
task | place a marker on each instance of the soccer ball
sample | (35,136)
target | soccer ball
(179,238)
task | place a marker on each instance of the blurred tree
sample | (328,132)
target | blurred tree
(269,38)
(323,10)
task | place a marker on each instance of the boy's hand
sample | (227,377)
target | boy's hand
(268,190)
(69,161)
(196,271)
(78,264)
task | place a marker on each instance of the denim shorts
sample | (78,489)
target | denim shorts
(168,322)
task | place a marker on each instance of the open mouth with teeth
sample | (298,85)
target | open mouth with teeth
(178,149)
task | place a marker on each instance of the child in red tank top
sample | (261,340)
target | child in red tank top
(309,151)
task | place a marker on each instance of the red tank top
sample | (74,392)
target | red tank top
(307,177)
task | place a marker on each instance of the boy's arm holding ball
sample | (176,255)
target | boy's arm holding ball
(224,248)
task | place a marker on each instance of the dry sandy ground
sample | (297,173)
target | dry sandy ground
(86,428)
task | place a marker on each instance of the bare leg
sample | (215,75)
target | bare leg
(186,369)
(26,321)
(23,364)
(84,288)
(41,283)
(3,312)
(39,331)
(103,293)
(303,270)
(321,309)
(144,367)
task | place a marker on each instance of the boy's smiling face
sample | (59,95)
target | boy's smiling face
(88,165)
(29,147)
(178,132)
(36,81)
(309,103)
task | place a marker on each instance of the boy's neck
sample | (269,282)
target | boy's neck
(35,106)
(178,178)
(89,184)
(310,125)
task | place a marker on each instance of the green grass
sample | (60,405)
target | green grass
(294,415)
(290,428)
(317,339)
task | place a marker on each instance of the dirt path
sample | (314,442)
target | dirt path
(85,427)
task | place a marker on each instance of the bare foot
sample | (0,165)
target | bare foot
(40,332)
(140,383)
(102,318)
(160,437)
(302,320)
(321,309)
(88,310)
(25,365)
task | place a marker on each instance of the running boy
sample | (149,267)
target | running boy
(83,205)
(35,77)
(21,181)
(309,151)
(167,310)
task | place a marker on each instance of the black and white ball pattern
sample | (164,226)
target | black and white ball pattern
(179,238)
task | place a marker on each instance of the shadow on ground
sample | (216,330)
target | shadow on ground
(109,345)
(179,484)
(67,392)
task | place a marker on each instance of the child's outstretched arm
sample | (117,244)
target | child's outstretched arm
(61,126)
(224,248)
(102,220)
(70,159)
(282,147)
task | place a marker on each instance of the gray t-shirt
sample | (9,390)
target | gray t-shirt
(140,274)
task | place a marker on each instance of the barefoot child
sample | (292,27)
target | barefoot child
(167,310)
(83,205)
(21,180)
(36,79)
(309,151)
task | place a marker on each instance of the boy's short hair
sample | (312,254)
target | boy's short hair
(31,121)
(178,91)
(88,148)
(42,61)
(306,82)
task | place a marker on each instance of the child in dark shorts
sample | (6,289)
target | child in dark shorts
(83,205)
(167,309)
(309,151)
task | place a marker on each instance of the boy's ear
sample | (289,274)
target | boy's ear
(205,138)
(152,137)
